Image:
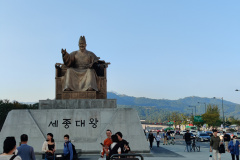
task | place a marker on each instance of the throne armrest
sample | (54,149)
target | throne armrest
(60,69)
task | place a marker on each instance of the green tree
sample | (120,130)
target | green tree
(176,118)
(212,116)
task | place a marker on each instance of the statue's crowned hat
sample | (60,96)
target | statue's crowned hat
(82,40)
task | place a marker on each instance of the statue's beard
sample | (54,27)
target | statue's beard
(82,50)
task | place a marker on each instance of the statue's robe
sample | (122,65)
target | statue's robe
(78,76)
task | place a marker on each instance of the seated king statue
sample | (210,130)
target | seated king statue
(80,76)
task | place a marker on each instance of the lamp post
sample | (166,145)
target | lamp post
(205,106)
(195,109)
(192,111)
(192,114)
(222,111)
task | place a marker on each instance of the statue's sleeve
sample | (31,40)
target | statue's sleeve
(68,59)
(94,58)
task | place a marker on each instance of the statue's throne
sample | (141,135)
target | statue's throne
(101,71)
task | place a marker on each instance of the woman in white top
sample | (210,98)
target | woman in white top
(158,138)
(114,147)
(9,147)
(49,147)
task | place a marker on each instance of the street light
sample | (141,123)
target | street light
(205,106)
(222,110)
(195,109)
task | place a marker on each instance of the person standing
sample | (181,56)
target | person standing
(165,138)
(158,138)
(187,136)
(114,148)
(226,139)
(214,145)
(106,144)
(49,147)
(123,143)
(233,148)
(25,151)
(67,149)
(151,138)
(9,147)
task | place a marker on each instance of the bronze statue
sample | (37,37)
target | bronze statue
(80,76)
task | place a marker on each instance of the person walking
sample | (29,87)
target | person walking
(151,138)
(158,138)
(233,148)
(187,136)
(49,147)
(214,145)
(67,149)
(106,144)
(164,138)
(9,147)
(25,151)
(226,139)
(114,148)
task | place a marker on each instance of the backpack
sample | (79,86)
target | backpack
(73,148)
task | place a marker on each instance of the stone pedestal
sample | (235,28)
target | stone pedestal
(85,121)
(77,104)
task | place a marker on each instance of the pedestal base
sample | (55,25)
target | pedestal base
(87,127)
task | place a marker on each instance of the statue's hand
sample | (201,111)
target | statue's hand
(63,51)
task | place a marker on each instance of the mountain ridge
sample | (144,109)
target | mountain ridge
(180,105)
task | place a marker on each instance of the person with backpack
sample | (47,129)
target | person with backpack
(69,150)
(233,148)
(9,147)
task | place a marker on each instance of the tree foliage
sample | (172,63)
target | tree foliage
(212,116)
(6,106)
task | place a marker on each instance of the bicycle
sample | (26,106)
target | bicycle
(194,146)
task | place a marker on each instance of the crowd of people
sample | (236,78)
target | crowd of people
(166,136)
(26,152)
(113,144)
(218,146)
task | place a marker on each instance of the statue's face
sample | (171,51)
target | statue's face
(82,46)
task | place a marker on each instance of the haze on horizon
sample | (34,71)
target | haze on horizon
(158,49)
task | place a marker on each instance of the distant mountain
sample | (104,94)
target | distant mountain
(180,105)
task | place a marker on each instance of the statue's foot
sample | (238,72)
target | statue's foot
(90,89)
(67,89)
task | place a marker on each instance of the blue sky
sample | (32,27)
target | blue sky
(158,49)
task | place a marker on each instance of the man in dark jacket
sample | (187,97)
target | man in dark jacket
(123,143)
(214,145)
(227,139)
(188,141)
(151,138)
